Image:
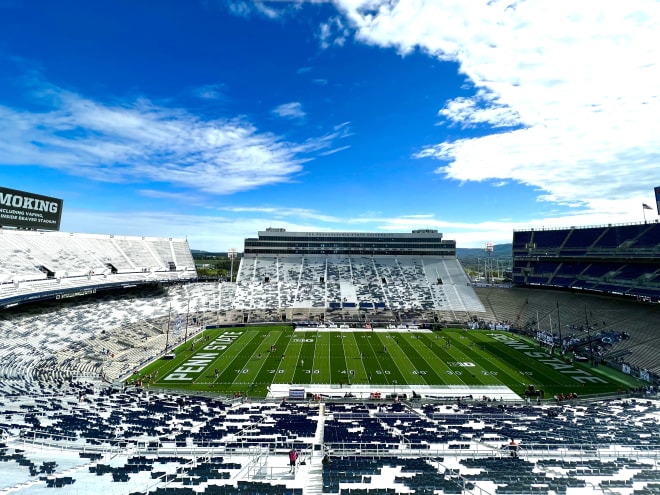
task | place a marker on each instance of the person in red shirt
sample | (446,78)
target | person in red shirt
(513,447)
(293,457)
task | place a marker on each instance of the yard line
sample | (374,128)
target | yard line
(322,357)
(371,346)
(232,356)
(489,371)
(281,338)
(270,339)
(290,361)
(390,377)
(358,359)
(444,355)
(244,378)
(342,335)
(405,359)
(422,354)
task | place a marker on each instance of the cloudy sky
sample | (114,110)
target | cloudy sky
(214,119)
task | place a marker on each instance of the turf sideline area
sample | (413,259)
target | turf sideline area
(363,392)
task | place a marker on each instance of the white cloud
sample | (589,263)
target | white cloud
(139,141)
(291,110)
(210,92)
(247,9)
(333,33)
(333,151)
(483,108)
(497,231)
(277,212)
(205,232)
(235,223)
(579,80)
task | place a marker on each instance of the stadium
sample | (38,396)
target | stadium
(374,356)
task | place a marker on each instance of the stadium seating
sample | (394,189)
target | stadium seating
(64,427)
(397,283)
(100,439)
(620,260)
(52,264)
(534,308)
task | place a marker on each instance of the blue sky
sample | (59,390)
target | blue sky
(213,119)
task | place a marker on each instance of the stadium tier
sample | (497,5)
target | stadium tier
(88,440)
(355,282)
(415,271)
(38,265)
(398,407)
(612,259)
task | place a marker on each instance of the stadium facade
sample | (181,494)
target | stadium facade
(277,241)
(612,259)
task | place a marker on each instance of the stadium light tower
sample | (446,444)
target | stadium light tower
(488,262)
(231,254)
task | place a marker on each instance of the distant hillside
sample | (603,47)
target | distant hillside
(499,250)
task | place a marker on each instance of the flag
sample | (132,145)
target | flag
(646,207)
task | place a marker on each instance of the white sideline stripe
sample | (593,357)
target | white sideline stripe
(350,330)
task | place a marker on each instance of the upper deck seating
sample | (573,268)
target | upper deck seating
(33,262)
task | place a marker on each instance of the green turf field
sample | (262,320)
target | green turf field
(249,359)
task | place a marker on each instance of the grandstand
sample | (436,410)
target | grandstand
(394,276)
(612,259)
(620,261)
(38,265)
(67,422)
(114,441)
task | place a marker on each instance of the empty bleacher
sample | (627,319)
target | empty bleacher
(398,283)
(131,441)
(613,259)
(533,308)
(52,263)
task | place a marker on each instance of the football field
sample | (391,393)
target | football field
(252,360)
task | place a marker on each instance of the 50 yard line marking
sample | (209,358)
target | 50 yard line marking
(376,357)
